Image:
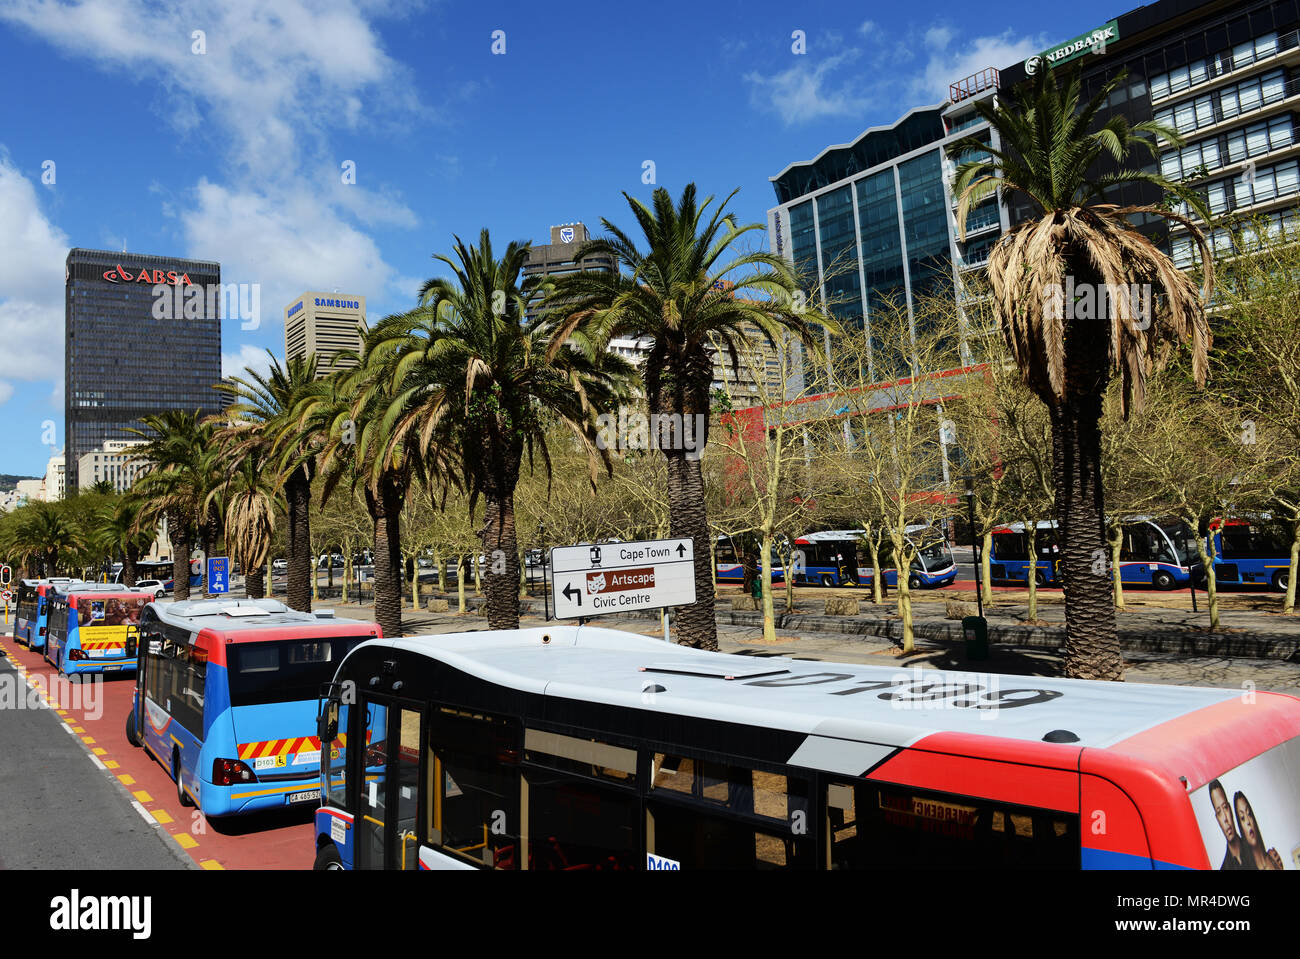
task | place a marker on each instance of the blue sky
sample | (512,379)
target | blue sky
(234,154)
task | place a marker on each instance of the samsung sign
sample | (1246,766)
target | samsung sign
(338,304)
(295,308)
(1093,42)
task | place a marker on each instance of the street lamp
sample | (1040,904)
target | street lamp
(969,493)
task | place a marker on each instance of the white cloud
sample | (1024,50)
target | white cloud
(287,243)
(951,61)
(6,391)
(32,252)
(805,90)
(249,357)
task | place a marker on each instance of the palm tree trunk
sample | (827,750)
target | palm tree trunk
(302,571)
(130,556)
(501,552)
(386,509)
(182,540)
(687,520)
(255,583)
(1091,643)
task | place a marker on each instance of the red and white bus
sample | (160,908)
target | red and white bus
(587,748)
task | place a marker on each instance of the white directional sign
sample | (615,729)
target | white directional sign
(622,577)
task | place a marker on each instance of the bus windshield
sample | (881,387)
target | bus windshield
(935,555)
(284,671)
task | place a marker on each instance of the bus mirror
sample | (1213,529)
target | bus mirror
(327,723)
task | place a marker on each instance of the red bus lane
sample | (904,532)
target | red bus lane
(96,714)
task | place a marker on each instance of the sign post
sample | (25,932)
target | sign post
(622,577)
(218,574)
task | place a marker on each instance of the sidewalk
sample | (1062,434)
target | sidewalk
(1007,654)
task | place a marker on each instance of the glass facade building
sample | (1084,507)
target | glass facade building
(1226,75)
(129,353)
(871,225)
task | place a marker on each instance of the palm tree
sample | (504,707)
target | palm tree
(252,496)
(470,371)
(129,531)
(1079,244)
(45,533)
(264,410)
(691,302)
(181,455)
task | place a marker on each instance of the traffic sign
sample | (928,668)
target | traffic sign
(622,577)
(218,574)
(8,595)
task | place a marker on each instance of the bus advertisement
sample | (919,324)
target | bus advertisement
(91,627)
(1154,553)
(31,617)
(1250,553)
(582,748)
(225,699)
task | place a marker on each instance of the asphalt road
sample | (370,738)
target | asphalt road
(60,808)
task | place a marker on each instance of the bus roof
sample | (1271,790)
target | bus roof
(228,615)
(615,668)
(841,535)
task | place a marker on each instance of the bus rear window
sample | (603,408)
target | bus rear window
(285,670)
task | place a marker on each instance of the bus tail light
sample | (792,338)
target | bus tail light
(42,630)
(228,772)
(76,654)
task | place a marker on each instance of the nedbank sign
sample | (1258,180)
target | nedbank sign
(1093,42)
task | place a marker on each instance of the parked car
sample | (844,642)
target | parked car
(157,585)
(279,565)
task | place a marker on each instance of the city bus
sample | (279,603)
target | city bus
(91,626)
(1157,553)
(1250,553)
(837,558)
(730,567)
(31,616)
(577,748)
(161,571)
(225,698)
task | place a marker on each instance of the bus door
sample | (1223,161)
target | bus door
(386,828)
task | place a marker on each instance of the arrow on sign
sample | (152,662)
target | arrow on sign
(681,550)
(577,593)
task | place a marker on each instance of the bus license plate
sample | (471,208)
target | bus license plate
(308,796)
(109,669)
(97,653)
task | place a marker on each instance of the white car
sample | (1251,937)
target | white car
(159,588)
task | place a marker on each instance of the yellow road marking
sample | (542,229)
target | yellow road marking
(88,740)
(186,840)
(110,763)
(142,796)
(162,815)
(77,729)
(100,751)
(126,779)
(211,864)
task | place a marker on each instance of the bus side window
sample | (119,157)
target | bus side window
(473,787)
(873,826)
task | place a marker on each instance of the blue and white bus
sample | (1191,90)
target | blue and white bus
(32,615)
(1250,553)
(730,563)
(225,698)
(94,627)
(1157,553)
(838,558)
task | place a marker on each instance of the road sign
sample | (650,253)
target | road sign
(8,595)
(622,577)
(218,574)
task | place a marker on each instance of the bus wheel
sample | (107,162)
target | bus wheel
(828,579)
(132,736)
(1162,579)
(181,795)
(327,858)
(1280,580)
(914,582)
